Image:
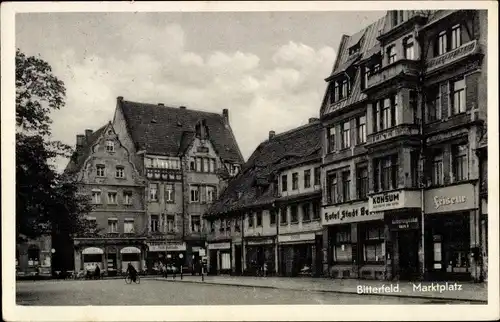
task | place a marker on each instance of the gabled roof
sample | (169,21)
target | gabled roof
(368,37)
(82,153)
(167,130)
(254,186)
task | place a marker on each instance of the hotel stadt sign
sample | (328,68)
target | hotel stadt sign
(349,213)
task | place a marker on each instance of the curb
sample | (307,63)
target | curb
(439,298)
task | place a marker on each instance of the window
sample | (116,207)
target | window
(437,169)
(317,176)
(346,135)
(210,194)
(170,223)
(33,256)
(237,225)
(361,131)
(110,146)
(409,48)
(362,183)
(391,54)
(442,43)
(222,225)
(373,246)
(154,223)
(194,193)
(346,184)
(120,172)
(283,216)
(112,198)
(284,182)
(387,167)
(128,226)
(206,167)
(345,88)
(460,168)
(198,164)
(306,212)
(433,104)
(192,164)
(336,94)
(456,37)
(212,165)
(386,114)
(331,139)
(169,193)
(307,178)
(127,198)
(414,107)
(342,251)
(272,217)
(112,225)
(457,92)
(96,197)
(195,224)
(295,181)
(250,220)
(100,170)
(153,192)
(332,188)
(259,218)
(315,210)
(211,224)
(294,214)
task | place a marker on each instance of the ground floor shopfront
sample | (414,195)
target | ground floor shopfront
(390,237)
(300,254)
(260,256)
(220,257)
(111,256)
(33,257)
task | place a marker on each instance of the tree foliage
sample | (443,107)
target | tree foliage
(46,202)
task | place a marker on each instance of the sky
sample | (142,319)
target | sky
(267,68)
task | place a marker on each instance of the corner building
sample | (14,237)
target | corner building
(402,118)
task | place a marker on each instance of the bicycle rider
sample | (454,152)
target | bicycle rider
(132,272)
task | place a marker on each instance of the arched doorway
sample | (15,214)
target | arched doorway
(92,257)
(131,255)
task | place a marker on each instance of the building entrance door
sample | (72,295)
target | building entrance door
(408,254)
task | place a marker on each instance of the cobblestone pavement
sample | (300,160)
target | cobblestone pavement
(157,292)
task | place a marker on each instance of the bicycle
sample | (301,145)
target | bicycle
(128,279)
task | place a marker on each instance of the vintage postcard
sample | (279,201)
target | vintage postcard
(249,161)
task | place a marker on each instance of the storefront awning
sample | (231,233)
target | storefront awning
(130,250)
(92,251)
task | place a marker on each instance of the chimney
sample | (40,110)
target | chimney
(80,141)
(313,119)
(225,113)
(182,107)
(119,98)
(88,133)
(271,134)
(161,104)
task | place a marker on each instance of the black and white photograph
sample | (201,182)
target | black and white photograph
(249,161)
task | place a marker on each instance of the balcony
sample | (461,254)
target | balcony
(393,133)
(458,54)
(163,174)
(402,68)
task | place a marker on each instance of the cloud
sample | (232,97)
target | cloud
(278,95)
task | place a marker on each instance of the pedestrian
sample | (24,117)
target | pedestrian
(97,272)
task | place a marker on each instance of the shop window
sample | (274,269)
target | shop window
(306,212)
(457,96)
(33,256)
(342,248)
(195,223)
(153,192)
(154,223)
(112,225)
(362,182)
(295,181)
(346,135)
(333,193)
(361,129)
(317,176)
(331,139)
(128,226)
(259,219)
(169,193)
(272,217)
(225,259)
(437,169)
(307,178)
(294,212)
(460,168)
(346,185)
(283,216)
(284,182)
(374,247)
(433,104)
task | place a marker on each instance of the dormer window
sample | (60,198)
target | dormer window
(354,49)
(398,16)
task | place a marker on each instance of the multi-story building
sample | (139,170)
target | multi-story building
(267,220)
(402,116)
(185,156)
(104,170)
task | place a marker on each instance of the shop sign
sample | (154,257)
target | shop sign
(260,242)
(405,223)
(130,250)
(347,214)
(453,198)
(219,246)
(202,252)
(92,251)
(296,237)
(394,200)
(172,247)
(157,247)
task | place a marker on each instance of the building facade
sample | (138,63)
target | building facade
(34,257)
(104,170)
(267,220)
(186,157)
(403,115)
